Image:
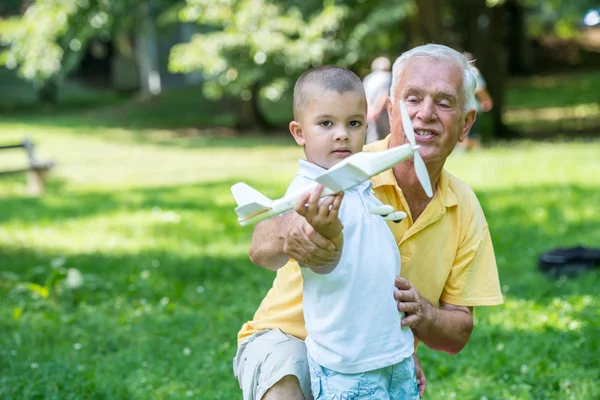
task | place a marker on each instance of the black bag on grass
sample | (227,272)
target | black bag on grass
(569,261)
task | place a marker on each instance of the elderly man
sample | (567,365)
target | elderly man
(448,263)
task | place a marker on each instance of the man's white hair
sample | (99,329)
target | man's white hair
(442,53)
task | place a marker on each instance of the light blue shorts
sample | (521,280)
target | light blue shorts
(396,382)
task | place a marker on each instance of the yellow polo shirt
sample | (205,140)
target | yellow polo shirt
(447,255)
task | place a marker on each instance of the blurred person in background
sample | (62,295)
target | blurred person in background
(377,89)
(484,103)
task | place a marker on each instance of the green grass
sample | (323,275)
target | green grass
(167,281)
(554,104)
(139,203)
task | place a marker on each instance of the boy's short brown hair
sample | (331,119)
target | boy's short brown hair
(328,77)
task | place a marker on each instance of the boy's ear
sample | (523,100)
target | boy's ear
(296,131)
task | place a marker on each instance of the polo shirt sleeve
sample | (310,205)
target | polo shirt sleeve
(473,278)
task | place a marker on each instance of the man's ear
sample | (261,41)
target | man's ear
(296,131)
(469,121)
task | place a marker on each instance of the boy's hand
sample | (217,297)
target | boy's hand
(322,216)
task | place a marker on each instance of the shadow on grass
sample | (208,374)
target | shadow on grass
(55,207)
(180,109)
(525,222)
(502,363)
(139,311)
(134,326)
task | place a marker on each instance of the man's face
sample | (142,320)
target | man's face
(331,127)
(432,92)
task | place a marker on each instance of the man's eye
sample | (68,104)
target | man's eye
(412,99)
(355,124)
(326,123)
(444,104)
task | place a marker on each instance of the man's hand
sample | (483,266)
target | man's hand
(305,245)
(421,381)
(416,309)
(322,215)
(445,328)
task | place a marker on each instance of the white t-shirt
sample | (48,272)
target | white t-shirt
(351,315)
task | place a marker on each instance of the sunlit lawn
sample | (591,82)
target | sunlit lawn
(144,212)
(167,282)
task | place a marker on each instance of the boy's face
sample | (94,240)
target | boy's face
(331,127)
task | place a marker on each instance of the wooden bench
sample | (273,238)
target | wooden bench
(36,170)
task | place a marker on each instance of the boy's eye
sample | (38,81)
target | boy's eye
(355,124)
(326,123)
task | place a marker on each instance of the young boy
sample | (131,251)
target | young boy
(356,347)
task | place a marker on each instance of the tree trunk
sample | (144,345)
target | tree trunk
(487,42)
(249,114)
(520,60)
(429,21)
(49,92)
(146,49)
(246,118)
(496,56)
(124,71)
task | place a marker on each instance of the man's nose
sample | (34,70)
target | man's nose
(426,110)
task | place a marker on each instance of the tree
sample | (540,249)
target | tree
(257,48)
(497,32)
(430,21)
(45,43)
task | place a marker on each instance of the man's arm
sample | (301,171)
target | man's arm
(445,328)
(268,239)
(275,240)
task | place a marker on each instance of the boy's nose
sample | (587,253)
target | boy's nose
(341,134)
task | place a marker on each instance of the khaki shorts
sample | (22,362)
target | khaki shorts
(266,357)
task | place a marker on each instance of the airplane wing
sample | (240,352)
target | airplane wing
(251,209)
(250,201)
(343,177)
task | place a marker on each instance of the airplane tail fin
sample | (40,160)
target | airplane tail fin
(249,200)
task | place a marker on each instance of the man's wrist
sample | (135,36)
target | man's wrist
(429,315)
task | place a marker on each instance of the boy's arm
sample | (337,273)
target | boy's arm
(275,240)
(322,216)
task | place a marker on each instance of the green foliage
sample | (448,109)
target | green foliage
(560,17)
(48,40)
(264,43)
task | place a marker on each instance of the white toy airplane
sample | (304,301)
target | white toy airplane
(253,206)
